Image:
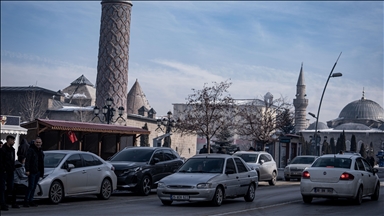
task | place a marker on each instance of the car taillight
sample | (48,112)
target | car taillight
(305,175)
(346,176)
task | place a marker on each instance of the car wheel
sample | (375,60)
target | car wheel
(105,190)
(56,192)
(307,199)
(376,194)
(250,196)
(167,202)
(145,186)
(218,197)
(273,180)
(359,196)
(287,179)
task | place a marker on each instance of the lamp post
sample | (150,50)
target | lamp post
(331,74)
(108,111)
(169,123)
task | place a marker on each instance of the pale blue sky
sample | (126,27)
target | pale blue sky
(177,46)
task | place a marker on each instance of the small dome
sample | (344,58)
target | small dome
(320,126)
(362,109)
(352,126)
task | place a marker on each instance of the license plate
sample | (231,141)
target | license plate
(296,173)
(323,190)
(180,197)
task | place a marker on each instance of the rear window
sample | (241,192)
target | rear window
(133,155)
(333,163)
(248,158)
(303,160)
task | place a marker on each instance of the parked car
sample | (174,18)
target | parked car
(68,172)
(209,177)
(294,169)
(262,162)
(137,168)
(340,176)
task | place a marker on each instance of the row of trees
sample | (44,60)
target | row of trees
(212,113)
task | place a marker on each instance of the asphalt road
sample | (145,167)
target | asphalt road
(282,199)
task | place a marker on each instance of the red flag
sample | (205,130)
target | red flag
(72,136)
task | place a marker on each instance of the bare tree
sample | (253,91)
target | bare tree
(208,111)
(84,115)
(258,122)
(31,106)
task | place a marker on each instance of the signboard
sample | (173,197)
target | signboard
(285,139)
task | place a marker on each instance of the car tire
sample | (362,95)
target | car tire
(145,186)
(273,179)
(105,189)
(287,179)
(376,194)
(359,196)
(218,197)
(307,199)
(250,196)
(167,202)
(56,192)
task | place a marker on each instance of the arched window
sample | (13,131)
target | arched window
(348,145)
(359,145)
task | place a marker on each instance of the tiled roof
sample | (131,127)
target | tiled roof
(136,99)
(87,127)
(28,88)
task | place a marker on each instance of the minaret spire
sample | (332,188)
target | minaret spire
(300,103)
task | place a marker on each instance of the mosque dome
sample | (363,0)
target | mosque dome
(362,109)
(352,126)
(320,126)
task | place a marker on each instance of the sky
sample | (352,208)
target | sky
(178,46)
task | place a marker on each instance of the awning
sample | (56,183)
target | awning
(13,129)
(44,124)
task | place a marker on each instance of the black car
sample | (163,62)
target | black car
(137,168)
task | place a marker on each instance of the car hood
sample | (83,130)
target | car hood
(188,178)
(120,165)
(48,171)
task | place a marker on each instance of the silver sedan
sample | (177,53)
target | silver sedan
(69,173)
(209,177)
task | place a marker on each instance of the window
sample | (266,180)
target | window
(240,166)
(230,165)
(75,160)
(159,155)
(134,155)
(88,160)
(360,164)
(263,157)
(332,162)
(367,166)
(168,155)
(96,161)
(269,157)
(249,158)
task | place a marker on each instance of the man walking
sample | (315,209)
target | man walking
(7,167)
(34,169)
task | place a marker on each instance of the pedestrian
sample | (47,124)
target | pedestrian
(20,178)
(1,144)
(341,152)
(7,168)
(220,151)
(22,150)
(203,150)
(251,149)
(34,169)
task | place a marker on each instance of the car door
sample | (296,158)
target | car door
(244,179)
(157,165)
(93,170)
(364,175)
(171,162)
(230,179)
(76,178)
(264,168)
(371,177)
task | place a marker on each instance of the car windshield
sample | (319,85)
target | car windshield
(133,155)
(248,158)
(52,160)
(333,162)
(303,160)
(203,165)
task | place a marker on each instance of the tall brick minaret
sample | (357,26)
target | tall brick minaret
(112,66)
(300,103)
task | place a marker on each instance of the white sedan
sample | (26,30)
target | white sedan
(340,176)
(69,173)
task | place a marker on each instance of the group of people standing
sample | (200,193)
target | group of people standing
(27,169)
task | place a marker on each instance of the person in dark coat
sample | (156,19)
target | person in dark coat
(203,150)
(220,151)
(34,169)
(7,167)
(22,150)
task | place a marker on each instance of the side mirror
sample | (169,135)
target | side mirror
(70,167)
(230,171)
(261,162)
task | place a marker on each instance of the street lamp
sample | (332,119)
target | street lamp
(169,123)
(331,74)
(108,112)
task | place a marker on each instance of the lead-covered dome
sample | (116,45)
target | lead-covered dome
(352,126)
(362,109)
(320,126)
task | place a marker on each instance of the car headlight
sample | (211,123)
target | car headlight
(161,185)
(44,176)
(136,169)
(204,185)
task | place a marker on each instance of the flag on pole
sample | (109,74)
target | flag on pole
(72,136)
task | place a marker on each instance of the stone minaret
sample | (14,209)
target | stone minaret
(112,66)
(300,103)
